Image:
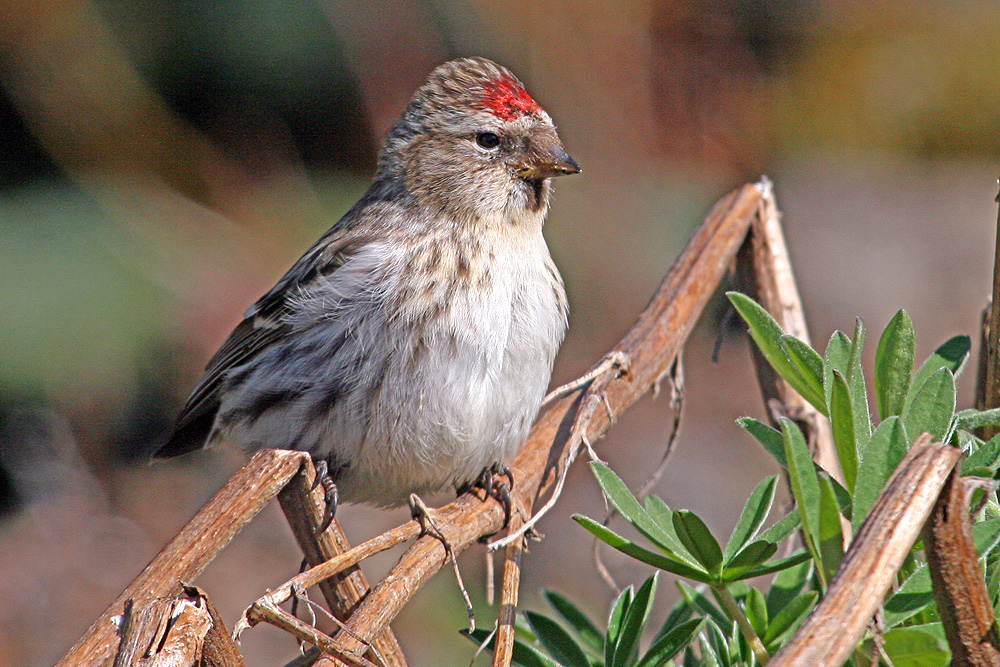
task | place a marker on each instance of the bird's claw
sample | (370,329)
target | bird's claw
(495,488)
(330,493)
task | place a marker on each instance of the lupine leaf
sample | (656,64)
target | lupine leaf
(894,364)
(885,450)
(755,512)
(932,406)
(559,643)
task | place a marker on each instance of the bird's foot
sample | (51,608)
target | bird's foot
(330,493)
(489,482)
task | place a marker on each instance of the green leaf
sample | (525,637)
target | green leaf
(932,407)
(524,655)
(786,586)
(720,643)
(755,511)
(557,641)
(855,376)
(615,621)
(790,616)
(661,513)
(756,611)
(619,495)
(836,358)
(709,655)
(894,364)
(782,528)
(831,539)
(634,621)
(750,557)
(805,485)
(576,619)
(777,565)
(993,579)
(842,423)
(910,599)
(671,643)
(885,450)
(767,334)
(951,355)
(662,561)
(969,419)
(809,365)
(986,536)
(844,501)
(698,540)
(681,612)
(769,438)
(914,647)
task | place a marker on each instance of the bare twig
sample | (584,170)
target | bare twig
(280,618)
(959,588)
(336,565)
(151,626)
(506,616)
(989,386)
(593,397)
(869,567)
(219,650)
(423,515)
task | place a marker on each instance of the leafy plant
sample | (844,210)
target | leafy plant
(740,624)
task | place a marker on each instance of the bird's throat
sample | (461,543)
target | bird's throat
(537,194)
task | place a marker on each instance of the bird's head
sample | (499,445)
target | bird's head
(473,144)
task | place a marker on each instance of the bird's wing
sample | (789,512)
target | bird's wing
(263,324)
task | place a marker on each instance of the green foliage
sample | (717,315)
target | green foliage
(739,624)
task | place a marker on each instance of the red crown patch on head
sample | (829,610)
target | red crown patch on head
(506,99)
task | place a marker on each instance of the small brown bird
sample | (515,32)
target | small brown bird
(411,346)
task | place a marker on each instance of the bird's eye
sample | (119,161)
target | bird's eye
(487,140)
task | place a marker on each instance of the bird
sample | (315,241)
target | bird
(411,346)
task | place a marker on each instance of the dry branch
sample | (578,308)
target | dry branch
(506,615)
(959,588)
(162,632)
(988,389)
(869,567)
(220,650)
(184,631)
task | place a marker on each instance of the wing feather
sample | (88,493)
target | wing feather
(263,325)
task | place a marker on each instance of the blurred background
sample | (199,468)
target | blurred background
(163,163)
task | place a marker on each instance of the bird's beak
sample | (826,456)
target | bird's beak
(552,162)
